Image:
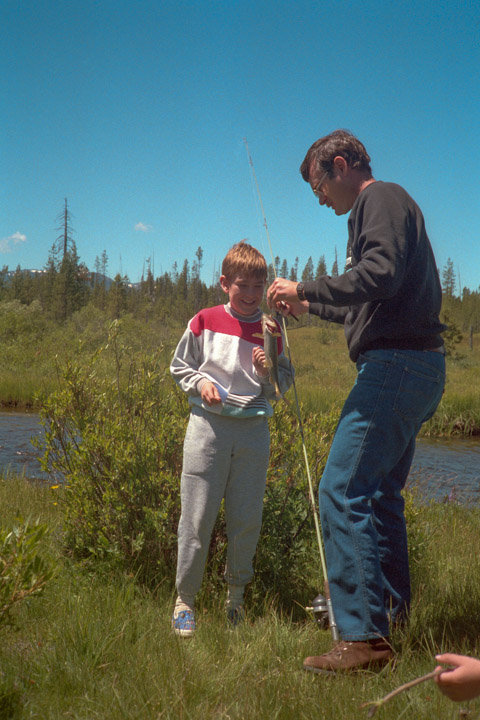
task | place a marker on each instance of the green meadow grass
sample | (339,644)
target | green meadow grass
(98,645)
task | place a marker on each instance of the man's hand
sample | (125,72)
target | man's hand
(258,359)
(282,296)
(461,683)
(210,395)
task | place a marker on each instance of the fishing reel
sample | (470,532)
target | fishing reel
(320,611)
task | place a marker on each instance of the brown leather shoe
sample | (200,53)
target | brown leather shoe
(349,656)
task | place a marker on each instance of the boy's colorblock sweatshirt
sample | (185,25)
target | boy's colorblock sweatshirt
(217,347)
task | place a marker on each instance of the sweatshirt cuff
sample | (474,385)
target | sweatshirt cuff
(201,383)
(263,379)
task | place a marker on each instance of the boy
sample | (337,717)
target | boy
(220,364)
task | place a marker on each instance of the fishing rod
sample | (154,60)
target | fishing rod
(331,617)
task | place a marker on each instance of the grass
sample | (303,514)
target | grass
(98,645)
(323,371)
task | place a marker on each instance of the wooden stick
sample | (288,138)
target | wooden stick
(375,704)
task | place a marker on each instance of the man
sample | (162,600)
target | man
(388,300)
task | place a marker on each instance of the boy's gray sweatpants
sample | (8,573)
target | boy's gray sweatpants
(223,457)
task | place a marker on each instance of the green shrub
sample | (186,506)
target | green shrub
(421,534)
(118,444)
(19,322)
(24,572)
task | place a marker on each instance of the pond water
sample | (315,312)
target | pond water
(441,469)
(447,470)
(16,450)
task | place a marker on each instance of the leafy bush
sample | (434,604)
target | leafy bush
(118,442)
(23,570)
(21,322)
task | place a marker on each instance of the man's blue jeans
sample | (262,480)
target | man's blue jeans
(361,506)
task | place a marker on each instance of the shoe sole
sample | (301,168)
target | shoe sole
(366,668)
(184,633)
(318,671)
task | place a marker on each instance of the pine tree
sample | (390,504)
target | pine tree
(197,290)
(307,273)
(68,280)
(64,242)
(321,267)
(334,272)
(100,281)
(270,274)
(448,279)
(294,271)
(71,284)
(117,296)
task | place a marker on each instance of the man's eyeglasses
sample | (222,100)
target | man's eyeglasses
(317,189)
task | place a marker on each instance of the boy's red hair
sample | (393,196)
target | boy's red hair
(243,259)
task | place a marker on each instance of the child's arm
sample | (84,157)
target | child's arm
(461,683)
(185,363)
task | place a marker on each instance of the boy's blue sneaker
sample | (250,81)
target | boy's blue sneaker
(183,623)
(236,615)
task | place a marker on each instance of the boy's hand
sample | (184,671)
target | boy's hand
(258,359)
(461,683)
(210,394)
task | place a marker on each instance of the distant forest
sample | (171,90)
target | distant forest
(65,285)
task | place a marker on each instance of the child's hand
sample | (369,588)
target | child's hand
(258,359)
(461,683)
(210,394)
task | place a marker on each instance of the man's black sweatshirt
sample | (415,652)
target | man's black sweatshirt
(390,294)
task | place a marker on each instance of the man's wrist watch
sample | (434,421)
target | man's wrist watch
(300,292)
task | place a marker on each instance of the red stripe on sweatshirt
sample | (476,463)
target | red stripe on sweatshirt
(217,319)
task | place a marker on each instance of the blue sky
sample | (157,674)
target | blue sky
(136,112)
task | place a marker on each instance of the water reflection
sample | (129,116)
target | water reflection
(447,470)
(442,469)
(17,453)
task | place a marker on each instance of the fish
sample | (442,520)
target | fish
(270,334)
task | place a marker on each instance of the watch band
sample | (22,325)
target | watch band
(300,291)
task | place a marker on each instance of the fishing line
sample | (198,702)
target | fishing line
(331,616)
(258,211)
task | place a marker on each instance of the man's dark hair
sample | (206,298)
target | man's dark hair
(340,142)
